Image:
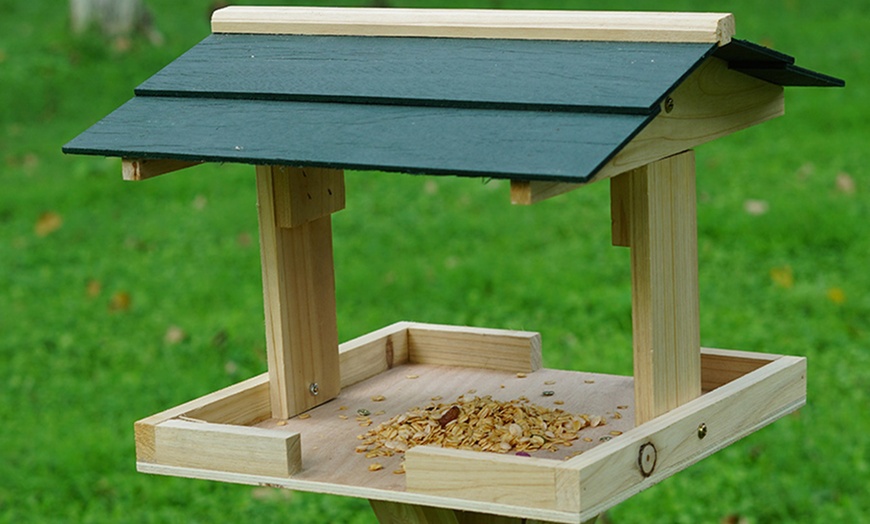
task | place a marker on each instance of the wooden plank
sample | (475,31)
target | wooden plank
(609,473)
(304,194)
(719,366)
(620,197)
(329,441)
(664,278)
(543,75)
(486,477)
(621,26)
(396,513)
(246,402)
(237,449)
(371,354)
(474,142)
(517,351)
(135,169)
(299,298)
(711,103)
(730,412)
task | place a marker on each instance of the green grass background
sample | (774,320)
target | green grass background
(76,372)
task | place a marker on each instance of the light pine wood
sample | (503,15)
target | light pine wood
(478,23)
(367,356)
(244,403)
(610,473)
(619,210)
(486,477)
(719,367)
(396,513)
(222,447)
(304,194)
(331,466)
(299,297)
(664,281)
(713,101)
(501,349)
(135,169)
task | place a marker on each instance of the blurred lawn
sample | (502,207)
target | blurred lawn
(118,300)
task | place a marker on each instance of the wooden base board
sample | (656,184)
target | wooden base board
(743,392)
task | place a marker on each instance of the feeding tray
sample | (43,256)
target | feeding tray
(550,101)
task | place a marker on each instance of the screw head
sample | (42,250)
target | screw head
(702,430)
(669,104)
(314,389)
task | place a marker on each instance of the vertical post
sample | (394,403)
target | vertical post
(294,208)
(656,213)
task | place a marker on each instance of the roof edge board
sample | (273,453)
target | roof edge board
(624,26)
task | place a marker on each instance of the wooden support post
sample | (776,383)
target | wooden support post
(299,284)
(662,234)
(400,513)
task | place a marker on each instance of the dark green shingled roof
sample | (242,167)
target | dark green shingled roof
(521,109)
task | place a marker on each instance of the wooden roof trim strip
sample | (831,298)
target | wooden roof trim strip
(623,26)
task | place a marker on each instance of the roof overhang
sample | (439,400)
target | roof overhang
(544,98)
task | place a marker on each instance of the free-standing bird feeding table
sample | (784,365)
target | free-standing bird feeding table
(551,101)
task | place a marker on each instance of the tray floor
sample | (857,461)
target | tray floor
(329,441)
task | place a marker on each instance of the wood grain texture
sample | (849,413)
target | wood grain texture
(711,103)
(373,353)
(664,281)
(474,347)
(620,202)
(485,477)
(494,74)
(622,26)
(299,299)
(609,473)
(759,397)
(396,513)
(719,367)
(221,447)
(244,403)
(471,142)
(304,194)
(133,169)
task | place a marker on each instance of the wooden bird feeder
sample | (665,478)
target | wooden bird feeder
(552,101)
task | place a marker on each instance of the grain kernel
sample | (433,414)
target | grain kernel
(375,467)
(521,375)
(304,416)
(378,398)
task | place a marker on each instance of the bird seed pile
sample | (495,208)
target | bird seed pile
(480,424)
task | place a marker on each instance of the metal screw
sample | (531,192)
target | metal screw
(669,105)
(314,388)
(702,430)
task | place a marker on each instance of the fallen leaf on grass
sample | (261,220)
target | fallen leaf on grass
(756,207)
(94,287)
(174,335)
(836,295)
(47,223)
(120,301)
(782,276)
(845,184)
